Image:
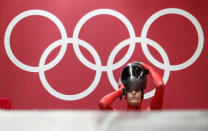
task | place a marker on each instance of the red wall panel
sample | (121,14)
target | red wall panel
(186,86)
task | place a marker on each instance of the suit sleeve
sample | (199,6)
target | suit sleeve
(157,100)
(106,102)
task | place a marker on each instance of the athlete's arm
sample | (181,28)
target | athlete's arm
(106,101)
(157,100)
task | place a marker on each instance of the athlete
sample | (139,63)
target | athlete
(132,85)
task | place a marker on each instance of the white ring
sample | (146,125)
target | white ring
(95,13)
(59,95)
(198,29)
(138,39)
(22,16)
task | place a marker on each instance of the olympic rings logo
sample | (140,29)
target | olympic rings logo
(98,67)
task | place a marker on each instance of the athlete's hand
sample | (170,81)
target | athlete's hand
(146,67)
(122,87)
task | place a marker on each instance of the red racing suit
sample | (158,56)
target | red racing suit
(156,102)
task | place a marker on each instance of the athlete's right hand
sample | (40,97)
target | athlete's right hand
(122,87)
